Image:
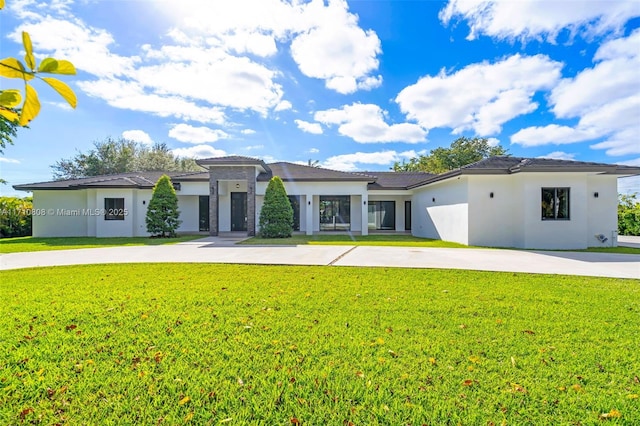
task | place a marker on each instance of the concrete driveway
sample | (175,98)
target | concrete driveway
(223,250)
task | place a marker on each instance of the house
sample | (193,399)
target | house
(498,201)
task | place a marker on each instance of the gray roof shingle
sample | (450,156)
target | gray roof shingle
(298,172)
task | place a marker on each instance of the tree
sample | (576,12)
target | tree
(11,99)
(120,156)
(313,163)
(163,215)
(628,215)
(8,131)
(462,151)
(276,216)
(15,216)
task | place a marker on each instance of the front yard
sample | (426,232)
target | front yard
(233,344)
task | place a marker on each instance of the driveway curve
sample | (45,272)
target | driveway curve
(217,250)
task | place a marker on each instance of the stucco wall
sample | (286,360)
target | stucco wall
(60,213)
(189,206)
(116,228)
(602,212)
(440,211)
(494,221)
(554,234)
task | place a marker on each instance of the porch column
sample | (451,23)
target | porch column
(365,214)
(213,206)
(309,211)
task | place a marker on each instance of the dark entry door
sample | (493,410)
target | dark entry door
(238,211)
(203,216)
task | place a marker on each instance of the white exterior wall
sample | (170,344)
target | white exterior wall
(602,212)
(494,222)
(554,234)
(54,213)
(189,207)
(446,218)
(116,228)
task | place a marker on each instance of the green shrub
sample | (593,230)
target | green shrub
(628,215)
(276,216)
(15,217)
(162,214)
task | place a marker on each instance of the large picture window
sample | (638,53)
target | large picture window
(382,215)
(114,209)
(555,204)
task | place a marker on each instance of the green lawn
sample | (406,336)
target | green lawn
(272,345)
(28,244)
(355,240)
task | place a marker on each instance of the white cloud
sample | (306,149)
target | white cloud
(541,20)
(307,127)
(314,151)
(365,123)
(253,147)
(9,160)
(138,136)
(197,135)
(283,106)
(337,50)
(62,105)
(350,162)
(493,141)
(604,98)
(480,97)
(559,155)
(247,131)
(549,134)
(198,151)
(130,95)
(88,48)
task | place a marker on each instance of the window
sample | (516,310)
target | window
(335,213)
(555,203)
(114,209)
(382,215)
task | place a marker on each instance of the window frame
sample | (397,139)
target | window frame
(114,208)
(556,207)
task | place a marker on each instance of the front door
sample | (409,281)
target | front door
(238,211)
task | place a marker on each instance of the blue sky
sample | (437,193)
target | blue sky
(355,85)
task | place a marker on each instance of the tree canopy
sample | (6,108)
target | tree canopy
(119,156)
(462,151)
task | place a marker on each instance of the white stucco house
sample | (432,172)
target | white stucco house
(498,202)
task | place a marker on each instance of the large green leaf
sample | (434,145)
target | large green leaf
(47,65)
(55,66)
(10,98)
(28,48)
(31,106)
(64,90)
(13,68)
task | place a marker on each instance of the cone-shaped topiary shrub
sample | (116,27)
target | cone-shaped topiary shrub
(162,214)
(276,216)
